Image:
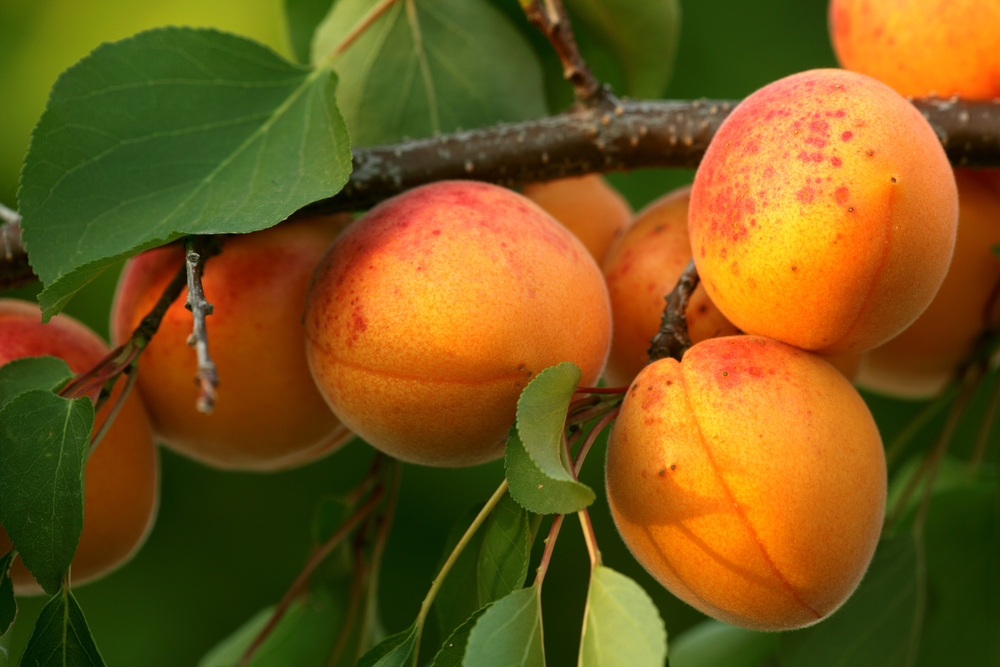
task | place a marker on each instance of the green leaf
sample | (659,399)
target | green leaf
(44,440)
(493,564)
(536,491)
(394,651)
(27,373)
(716,644)
(304,637)
(8,606)
(430,66)
(509,634)
(171,132)
(329,515)
(5,643)
(61,637)
(875,627)
(642,35)
(452,653)
(302,18)
(622,626)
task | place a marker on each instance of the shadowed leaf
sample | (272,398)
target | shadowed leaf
(61,637)
(27,373)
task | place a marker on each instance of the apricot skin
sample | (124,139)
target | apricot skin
(432,312)
(748,479)
(824,213)
(921,47)
(641,268)
(919,362)
(587,206)
(268,413)
(121,481)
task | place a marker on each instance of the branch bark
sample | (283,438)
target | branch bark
(610,136)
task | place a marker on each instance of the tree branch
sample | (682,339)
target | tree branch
(549,16)
(611,136)
(197,250)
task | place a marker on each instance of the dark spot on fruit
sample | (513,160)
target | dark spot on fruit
(635,386)
(846,136)
(649,388)
(850,209)
(663,472)
(893,179)
(836,161)
(795,268)
(870,153)
(673,466)
(725,373)
(669,382)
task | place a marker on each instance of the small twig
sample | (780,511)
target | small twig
(591,437)
(354,601)
(550,543)
(133,374)
(359,28)
(894,450)
(550,17)
(196,252)
(601,390)
(672,340)
(983,439)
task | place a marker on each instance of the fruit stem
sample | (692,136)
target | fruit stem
(590,538)
(550,543)
(982,441)
(672,340)
(601,390)
(359,28)
(357,587)
(133,373)
(425,607)
(591,438)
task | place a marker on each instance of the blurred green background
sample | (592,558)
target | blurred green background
(227,544)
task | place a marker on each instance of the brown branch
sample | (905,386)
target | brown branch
(550,17)
(611,136)
(672,340)
(197,250)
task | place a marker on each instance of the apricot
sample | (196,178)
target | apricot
(641,268)
(587,206)
(121,481)
(749,479)
(921,47)
(823,213)
(919,362)
(430,314)
(268,413)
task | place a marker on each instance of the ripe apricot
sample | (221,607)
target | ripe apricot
(121,481)
(429,315)
(749,479)
(921,47)
(919,362)
(268,413)
(587,206)
(641,268)
(823,213)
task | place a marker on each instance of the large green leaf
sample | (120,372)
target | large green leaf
(643,36)
(429,66)
(61,637)
(452,653)
(302,18)
(712,643)
(621,626)
(8,606)
(27,373)
(173,131)
(44,440)
(536,491)
(493,564)
(394,651)
(509,634)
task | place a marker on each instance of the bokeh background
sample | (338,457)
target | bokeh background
(227,544)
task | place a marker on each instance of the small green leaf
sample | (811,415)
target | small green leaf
(394,651)
(509,634)
(622,626)
(716,644)
(429,66)
(536,491)
(44,440)
(875,627)
(493,564)
(8,606)
(329,515)
(302,18)
(643,36)
(171,132)
(27,373)
(61,637)
(5,643)
(452,653)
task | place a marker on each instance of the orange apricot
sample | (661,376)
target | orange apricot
(921,47)
(431,313)
(268,413)
(919,362)
(641,268)
(587,206)
(823,213)
(749,479)
(121,481)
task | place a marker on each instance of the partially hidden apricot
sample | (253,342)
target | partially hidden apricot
(921,47)
(268,414)
(919,362)
(749,479)
(587,206)
(823,213)
(641,268)
(432,312)
(121,481)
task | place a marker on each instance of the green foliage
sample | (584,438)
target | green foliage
(61,637)
(27,373)
(172,132)
(302,17)
(44,440)
(429,66)
(452,652)
(509,633)
(8,606)
(622,627)
(394,651)
(5,642)
(716,644)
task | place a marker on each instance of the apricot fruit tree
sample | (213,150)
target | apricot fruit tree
(393,265)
